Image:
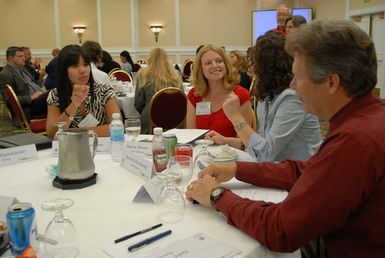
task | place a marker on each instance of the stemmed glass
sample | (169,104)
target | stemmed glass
(132,126)
(61,230)
(175,177)
(182,167)
(202,159)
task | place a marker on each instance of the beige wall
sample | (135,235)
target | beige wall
(228,25)
(225,22)
(322,9)
(359,4)
(26,23)
(116,23)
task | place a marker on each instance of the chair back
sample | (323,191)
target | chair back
(113,70)
(168,108)
(136,67)
(35,126)
(121,75)
(13,101)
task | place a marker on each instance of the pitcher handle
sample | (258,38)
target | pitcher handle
(94,143)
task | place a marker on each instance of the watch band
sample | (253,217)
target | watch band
(240,125)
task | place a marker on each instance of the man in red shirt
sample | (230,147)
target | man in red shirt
(283,12)
(336,200)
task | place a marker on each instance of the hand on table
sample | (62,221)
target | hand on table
(208,179)
(216,137)
(199,190)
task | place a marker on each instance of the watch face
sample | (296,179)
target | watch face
(217,192)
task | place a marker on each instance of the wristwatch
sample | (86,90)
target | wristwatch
(215,194)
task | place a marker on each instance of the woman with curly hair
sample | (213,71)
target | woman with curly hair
(215,80)
(285,130)
(158,74)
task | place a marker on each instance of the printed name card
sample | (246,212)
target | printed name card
(138,165)
(139,148)
(18,154)
(104,146)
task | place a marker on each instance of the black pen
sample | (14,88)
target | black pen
(137,233)
(148,241)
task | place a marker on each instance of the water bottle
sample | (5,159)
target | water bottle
(116,137)
(159,150)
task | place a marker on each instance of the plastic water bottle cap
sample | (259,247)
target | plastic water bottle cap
(158,130)
(115,116)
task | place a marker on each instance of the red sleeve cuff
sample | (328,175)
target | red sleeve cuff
(223,204)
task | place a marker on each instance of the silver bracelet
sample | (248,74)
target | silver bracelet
(240,125)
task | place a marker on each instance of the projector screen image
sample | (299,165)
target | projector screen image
(266,20)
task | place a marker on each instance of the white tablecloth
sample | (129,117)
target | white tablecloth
(105,211)
(127,105)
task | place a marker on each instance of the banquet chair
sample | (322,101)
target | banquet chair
(35,126)
(141,61)
(136,67)
(121,75)
(113,70)
(168,108)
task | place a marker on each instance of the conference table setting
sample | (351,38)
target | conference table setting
(127,208)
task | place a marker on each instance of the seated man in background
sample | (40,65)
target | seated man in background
(30,96)
(35,67)
(337,197)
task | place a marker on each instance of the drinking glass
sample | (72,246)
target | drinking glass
(203,158)
(60,230)
(60,128)
(132,126)
(182,167)
(184,149)
(172,203)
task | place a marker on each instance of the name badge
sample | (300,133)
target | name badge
(88,121)
(203,108)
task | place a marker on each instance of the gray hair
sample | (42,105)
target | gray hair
(337,47)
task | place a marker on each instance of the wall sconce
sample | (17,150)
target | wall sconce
(156,29)
(79,30)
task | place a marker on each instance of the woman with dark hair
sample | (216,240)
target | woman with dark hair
(127,63)
(293,22)
(285,130)
(108,64)
(77,99)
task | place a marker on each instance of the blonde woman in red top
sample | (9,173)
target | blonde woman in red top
(215,80)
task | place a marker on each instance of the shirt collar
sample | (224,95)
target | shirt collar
(354,105)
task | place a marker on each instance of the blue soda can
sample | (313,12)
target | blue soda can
(22,228)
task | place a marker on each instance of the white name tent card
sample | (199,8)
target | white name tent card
(139,147)
(196,246)
(150,192)
(138,165)
(18,154)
